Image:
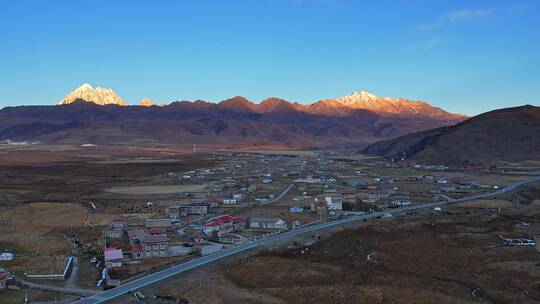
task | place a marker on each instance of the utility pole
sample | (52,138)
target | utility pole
(201,279)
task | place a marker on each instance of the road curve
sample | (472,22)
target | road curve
(170,272)
(278,197)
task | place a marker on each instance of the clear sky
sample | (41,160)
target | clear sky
(464,56)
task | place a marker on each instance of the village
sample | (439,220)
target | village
(244,197)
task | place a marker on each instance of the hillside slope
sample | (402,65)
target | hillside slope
(506,134)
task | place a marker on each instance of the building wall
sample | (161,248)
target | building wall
(155,250)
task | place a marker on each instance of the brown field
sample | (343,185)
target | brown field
(156,189)
(45,193)
(35,233)
(417,263)
(36,228)
(34,295)
(487,203)
(136,161)
(74,176)
(281,152)
(357,157)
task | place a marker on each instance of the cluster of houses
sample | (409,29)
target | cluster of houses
(146,242)
(246,176)
(152,241)
(225,224)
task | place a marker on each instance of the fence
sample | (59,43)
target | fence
(52,276)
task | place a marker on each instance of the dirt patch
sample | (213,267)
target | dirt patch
(135,190)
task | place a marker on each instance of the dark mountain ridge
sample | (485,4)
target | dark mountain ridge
(235,121)
(508,134)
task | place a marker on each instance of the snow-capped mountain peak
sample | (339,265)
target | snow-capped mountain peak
(98,95)
(363,95)
(85,86)
(359,100)
(146,102)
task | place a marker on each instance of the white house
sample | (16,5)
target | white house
(401,200)
(268,224)
(6,256)
(334,202)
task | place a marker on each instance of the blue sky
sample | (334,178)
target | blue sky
(464,56)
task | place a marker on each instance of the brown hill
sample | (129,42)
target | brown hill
(507,134)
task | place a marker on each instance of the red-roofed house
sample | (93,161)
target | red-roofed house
(223,224)
(148,243)
(3,279)
(113,258)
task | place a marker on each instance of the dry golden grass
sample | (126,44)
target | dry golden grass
(38,228)
(35,233)
(54,264)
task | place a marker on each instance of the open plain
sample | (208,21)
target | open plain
(59,201)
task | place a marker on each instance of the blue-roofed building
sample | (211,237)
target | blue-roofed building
(296,209)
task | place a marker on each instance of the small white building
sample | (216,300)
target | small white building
(6,256)
(229,201)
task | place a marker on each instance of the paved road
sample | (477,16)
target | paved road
(64,290)
(170,272)
(74,273)
(278,197)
